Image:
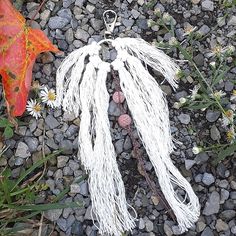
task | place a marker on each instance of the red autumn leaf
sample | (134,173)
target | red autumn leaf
(19,47)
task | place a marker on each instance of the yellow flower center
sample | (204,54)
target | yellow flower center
(234,92)
(37,108)
(217,49)
(229,113)
(230,135)
(51,96)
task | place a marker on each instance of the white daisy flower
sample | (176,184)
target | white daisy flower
(194,92)
(182,100)
(34,108)
(48,96)
(189,29)
(177,105)
(233,96)
(228,118)
(218,94)
(196,150)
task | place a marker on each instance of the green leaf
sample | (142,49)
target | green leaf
(3,122)
(225,153)
(8,132)
(32,168)
(43,207)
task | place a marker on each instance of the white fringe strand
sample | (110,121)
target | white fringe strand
(149,110)
(81,88)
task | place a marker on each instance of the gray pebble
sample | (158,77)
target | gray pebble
(96,24)
(61,222)
(228,214)
(119,146)
(128,23)
(215,133)
(208,179)
(212,205)
(82,35)
(221,225)
(32,143)
(65,13)
(79,3)
(135,13)
(184,118)
(232,21)
(67,3)
(53,215)
(189,164)
(77,228)
(204,30)
(142,24)
(51,122)
(212,116)
(114,109)
(207,5)
(22,150)
(66,146)
(57,22)
(207,232)
(149,225)
(61,161)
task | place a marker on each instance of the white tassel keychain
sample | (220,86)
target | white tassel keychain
(81,89)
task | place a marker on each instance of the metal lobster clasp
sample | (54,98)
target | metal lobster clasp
(109,18)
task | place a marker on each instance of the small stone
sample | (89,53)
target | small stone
(184,118)
(61,161)
(90,8)
(135,13)
(79,3)
(67,3)
(22,150)
(149,225)
(32,6)
(212,205)
(195,1)
(66,146)
(176,230)
(221,21)
(207,232)
(96,24)
(221,225)
(167,229)
(45,15)
(77,229)
(224,195)
(141,224)
(127,144)
(74,188)
(32,143)
(204,30)
(113,109)
(215,133)
(69,36)
(88,213)
(212,116)
(57,22)
(208,179)
(232,21)
(65,13)
(233,230)
(229,86)
(189,164)
(82,35)
(142,24)
(128,23)
(51,122)
(228,215)
(62,224)
(84,189)
(19,161)
(207,5)
(53,215)
(199,59)
(200,226)
(119,146)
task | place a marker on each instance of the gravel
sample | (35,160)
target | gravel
(72,24)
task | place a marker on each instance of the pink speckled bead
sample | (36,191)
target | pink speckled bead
(124,120)
(118,97)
